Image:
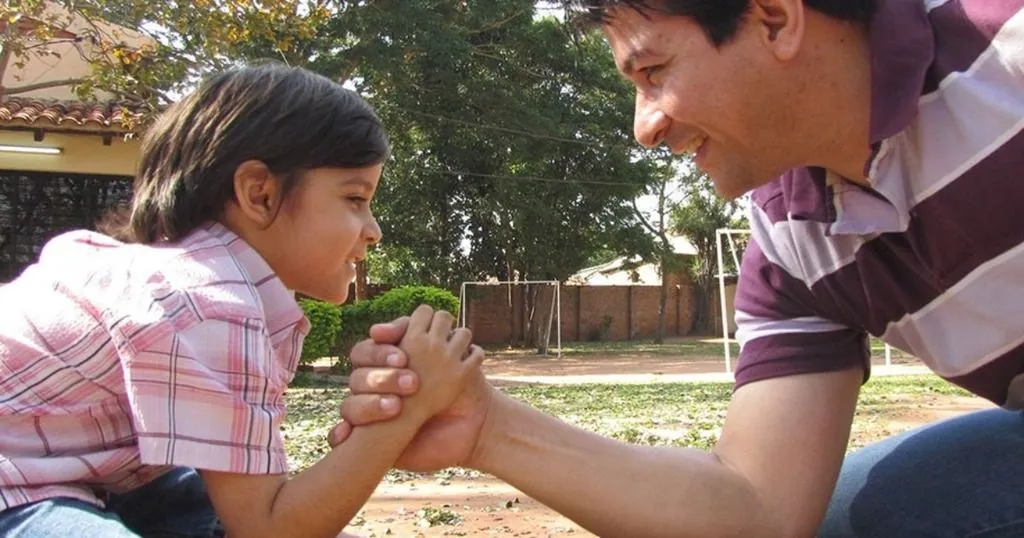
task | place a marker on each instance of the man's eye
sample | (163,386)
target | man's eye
(650,71)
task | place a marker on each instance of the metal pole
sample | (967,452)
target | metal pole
(558,327)
(721,294)
(462,305)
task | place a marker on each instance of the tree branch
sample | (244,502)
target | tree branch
(5,54)
(41,86)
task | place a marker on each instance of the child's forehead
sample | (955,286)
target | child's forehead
(365,178)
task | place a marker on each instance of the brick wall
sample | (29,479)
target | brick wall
(497,314)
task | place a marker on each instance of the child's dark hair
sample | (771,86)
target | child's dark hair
(289,118)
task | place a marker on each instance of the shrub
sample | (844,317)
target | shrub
(355,326)
(356,318)
(324,320)
(402,301)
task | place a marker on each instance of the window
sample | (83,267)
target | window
(36,206)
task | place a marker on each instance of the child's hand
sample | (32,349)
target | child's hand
(441,359)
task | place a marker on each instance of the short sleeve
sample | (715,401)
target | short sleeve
(202,385)
(780,331)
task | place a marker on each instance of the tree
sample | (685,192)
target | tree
(657,223)
(144,53)
(512,153)
(513,159)
(698,218)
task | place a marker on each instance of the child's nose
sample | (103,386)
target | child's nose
(372,233)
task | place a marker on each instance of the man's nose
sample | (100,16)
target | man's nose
(649,123)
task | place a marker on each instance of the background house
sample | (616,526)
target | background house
(63,162)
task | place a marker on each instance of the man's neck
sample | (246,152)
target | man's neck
(841,95)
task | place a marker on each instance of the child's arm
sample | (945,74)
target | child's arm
(323,499)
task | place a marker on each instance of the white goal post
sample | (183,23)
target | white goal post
(554,316)
(727,234)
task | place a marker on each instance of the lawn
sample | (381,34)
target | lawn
(658,414)
(685,348)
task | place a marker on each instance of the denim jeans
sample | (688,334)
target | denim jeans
(962,478)
(173,506)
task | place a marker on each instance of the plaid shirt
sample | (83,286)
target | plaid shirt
(119,361)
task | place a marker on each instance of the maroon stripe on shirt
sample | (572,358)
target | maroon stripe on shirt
(991,381)
(968,27)
(951,233)
(803,353)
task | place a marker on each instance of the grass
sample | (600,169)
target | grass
(684,348)
(679,414)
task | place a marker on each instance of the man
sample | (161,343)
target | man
(883,144)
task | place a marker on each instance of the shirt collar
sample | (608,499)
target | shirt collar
(902,49)
(279,305)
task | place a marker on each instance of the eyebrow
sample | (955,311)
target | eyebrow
(358,182)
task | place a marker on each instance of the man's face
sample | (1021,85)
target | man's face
(724,105)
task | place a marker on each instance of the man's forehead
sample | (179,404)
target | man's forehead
(630,35)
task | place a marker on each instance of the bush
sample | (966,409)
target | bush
(402,301)
(356,318)
(324,320)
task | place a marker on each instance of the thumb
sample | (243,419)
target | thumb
(391,332)
(339,433)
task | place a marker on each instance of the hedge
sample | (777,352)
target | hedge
(324,320)
(335,330)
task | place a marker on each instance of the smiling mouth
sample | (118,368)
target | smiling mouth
(692,145)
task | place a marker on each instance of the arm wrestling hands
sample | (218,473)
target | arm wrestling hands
(379,380)
(778,455)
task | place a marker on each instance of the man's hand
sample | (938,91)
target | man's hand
(447,439)
(379,378)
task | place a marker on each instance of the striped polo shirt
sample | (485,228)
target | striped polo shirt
(931,257)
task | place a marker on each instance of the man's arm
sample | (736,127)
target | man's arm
(771,474)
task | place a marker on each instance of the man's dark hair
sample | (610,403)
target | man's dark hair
(289,118)
(718,18)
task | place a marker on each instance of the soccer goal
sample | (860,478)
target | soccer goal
(554,306)
(726,238)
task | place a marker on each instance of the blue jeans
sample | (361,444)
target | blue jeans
(173,506)
(962,478)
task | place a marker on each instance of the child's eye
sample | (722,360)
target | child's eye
(359,201)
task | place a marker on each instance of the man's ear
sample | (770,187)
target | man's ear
(780,24)
(257,193)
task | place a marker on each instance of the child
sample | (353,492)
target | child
(142,372)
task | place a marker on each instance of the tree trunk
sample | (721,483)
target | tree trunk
(702,322)
(361,281)
(659,334)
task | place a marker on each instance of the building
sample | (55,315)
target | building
(63,162)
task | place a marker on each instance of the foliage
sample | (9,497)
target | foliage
(513,150)
(699,218)
(144,53)
(357,317)
(325,320)
(517,160)
(658,225)
(402,301)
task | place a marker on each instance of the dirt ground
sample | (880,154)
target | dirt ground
(487,507)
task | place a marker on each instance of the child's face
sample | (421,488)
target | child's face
(324,228)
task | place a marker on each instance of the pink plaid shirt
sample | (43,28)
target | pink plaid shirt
(118,361)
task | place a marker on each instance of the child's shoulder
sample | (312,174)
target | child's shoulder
(208,267)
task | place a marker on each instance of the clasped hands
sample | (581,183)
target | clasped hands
(382,379)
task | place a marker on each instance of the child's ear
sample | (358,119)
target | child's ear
(257,192)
